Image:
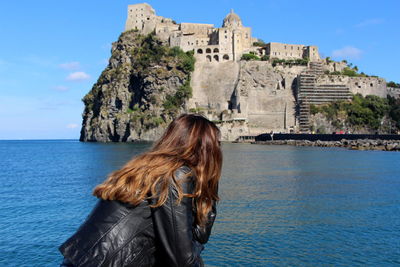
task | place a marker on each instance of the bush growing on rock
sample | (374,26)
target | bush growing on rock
(249,56)
(368,111)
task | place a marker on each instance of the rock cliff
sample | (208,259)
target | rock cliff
(143,87)
(147,83)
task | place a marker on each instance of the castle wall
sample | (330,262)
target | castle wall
(198,29)
(213,84)
(141,17)
(363,85)
(266,98)
(291,51)
(394,92)
(311,52)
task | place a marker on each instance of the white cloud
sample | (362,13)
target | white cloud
(60,88)
(74,65)
(369,22)
(72,126)
(78,76)
(348,52)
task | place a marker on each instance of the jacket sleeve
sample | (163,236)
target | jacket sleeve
(202,234)
(173,225)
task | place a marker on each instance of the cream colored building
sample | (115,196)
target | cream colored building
(210,44)
(292,51)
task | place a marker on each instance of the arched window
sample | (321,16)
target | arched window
(199,51)
(216,50)
(208,50)
(216,58)
(208,58)
(226,57)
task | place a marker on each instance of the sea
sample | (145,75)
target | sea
(280,205)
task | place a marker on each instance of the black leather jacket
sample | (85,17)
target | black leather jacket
(120,234)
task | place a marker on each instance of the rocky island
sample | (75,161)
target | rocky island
(159,69)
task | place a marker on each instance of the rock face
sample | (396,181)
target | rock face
(147,83)
(266,96)
(143,87)
(246,97)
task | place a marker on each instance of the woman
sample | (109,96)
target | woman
(159,208)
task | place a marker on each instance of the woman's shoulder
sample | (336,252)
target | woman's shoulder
(184,176)
(99,226)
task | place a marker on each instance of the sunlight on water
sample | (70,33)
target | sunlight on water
(280,205)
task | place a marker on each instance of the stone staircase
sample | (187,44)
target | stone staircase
(310,92)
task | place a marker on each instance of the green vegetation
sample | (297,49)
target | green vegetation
(135,108)
(394,110)
(260,43)
(393,84)
(298,61)
(350,70)
(250,56)
(174,102)
(186,59)
(264,58)
(196,110)
(148,57)
(150,51)
(362,111)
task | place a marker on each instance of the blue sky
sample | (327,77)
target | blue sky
(52,52)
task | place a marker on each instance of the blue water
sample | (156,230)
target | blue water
(281,205)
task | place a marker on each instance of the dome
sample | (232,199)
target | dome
(232,19)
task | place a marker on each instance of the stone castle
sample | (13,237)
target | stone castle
(251,97)
(211,44)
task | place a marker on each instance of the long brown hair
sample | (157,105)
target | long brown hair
(190,140)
